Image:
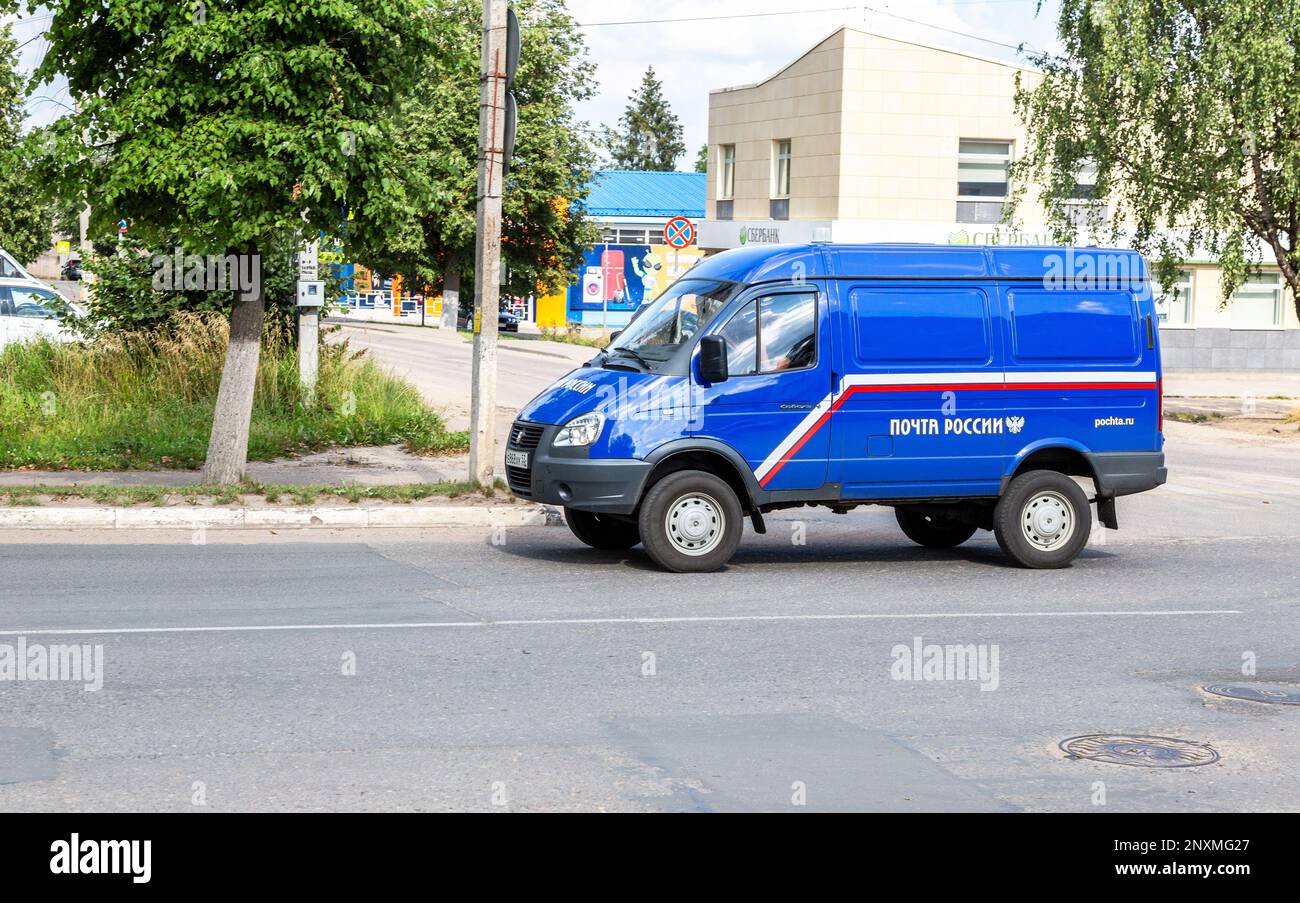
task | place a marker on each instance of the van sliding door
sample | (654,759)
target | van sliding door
(919,408)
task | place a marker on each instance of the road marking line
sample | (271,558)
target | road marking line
(700,619)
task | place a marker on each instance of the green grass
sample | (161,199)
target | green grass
(1186,417)
(228,495)
(137,401)
(573,336)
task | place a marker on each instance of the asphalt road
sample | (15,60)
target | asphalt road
(465,671)
(438,361)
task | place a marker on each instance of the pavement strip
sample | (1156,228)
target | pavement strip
(698,619)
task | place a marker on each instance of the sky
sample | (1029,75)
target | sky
(731,42)
(692,58)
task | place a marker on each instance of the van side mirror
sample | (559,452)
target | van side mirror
(613,337)
(713,359)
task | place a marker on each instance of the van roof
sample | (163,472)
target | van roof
(764,263)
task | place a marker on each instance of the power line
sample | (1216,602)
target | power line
(800,12)
(789,12)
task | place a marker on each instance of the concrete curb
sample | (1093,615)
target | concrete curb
(193,518)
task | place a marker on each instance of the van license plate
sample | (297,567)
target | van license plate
(517,459)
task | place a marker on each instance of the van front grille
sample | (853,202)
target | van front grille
(523,437)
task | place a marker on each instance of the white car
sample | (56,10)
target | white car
(30,309)
(10,268)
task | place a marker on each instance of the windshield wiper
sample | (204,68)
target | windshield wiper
(632,354)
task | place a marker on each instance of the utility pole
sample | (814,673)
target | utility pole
(493,148)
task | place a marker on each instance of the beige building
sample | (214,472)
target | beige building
(867,138)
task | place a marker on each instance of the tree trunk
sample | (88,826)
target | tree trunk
(450,292)
(228,447)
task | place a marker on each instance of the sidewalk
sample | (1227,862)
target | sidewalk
(386,465)
(1231,385)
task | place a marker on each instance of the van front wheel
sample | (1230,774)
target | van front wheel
(932,530)
(690,522)
(1042,520)
(601,531)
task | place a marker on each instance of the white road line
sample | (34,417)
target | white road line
(701,619)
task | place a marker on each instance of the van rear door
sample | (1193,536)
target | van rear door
(1083,369)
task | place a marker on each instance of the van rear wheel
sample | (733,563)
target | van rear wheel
(1042,520)
(602,531)
(933,530)
(690,522)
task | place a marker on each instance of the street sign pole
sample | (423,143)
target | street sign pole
(495,78)
(309,300)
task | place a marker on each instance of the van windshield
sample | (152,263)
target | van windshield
(673,319)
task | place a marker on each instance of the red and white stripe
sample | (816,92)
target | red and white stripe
(1047,380)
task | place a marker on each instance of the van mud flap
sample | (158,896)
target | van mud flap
(1106,513)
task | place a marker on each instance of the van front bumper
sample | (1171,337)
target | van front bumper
(1124,473)
(567,477)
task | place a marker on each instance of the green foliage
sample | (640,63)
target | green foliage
(436,141)
(124,295)
(649,136)
(25,221)
(1190,110)
(702,159)
(140,400)
(223,125)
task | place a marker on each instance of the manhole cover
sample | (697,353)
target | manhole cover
(1257,692)
(1135,749)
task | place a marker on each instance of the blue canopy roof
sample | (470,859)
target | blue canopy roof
(618,192)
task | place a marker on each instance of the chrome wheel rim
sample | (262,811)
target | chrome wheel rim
(694,524)
(1048,521)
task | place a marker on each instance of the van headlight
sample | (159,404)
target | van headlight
(580,431)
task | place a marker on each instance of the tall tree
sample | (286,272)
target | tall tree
(24,222)
(543,234)
(649,136)
(702,159)
(226,126)
(1190,112)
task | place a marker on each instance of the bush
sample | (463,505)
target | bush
(145,399)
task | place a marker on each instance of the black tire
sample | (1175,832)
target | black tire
(602,531)
(698,504)
(932,530)
(1063,507)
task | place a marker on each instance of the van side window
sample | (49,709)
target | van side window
(1074,326)
(787,332)
(921,326)
(742,342)
(783,335)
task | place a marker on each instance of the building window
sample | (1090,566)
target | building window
(727,172)
(781,168)
(632,237)
(981,180)
(1258,303)
(1174,308)
(1085,182)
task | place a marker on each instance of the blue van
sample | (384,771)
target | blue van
(962,386)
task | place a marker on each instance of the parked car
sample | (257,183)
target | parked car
(11,268)
(506,322)
(71,271)
(30,309)
(964,387)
